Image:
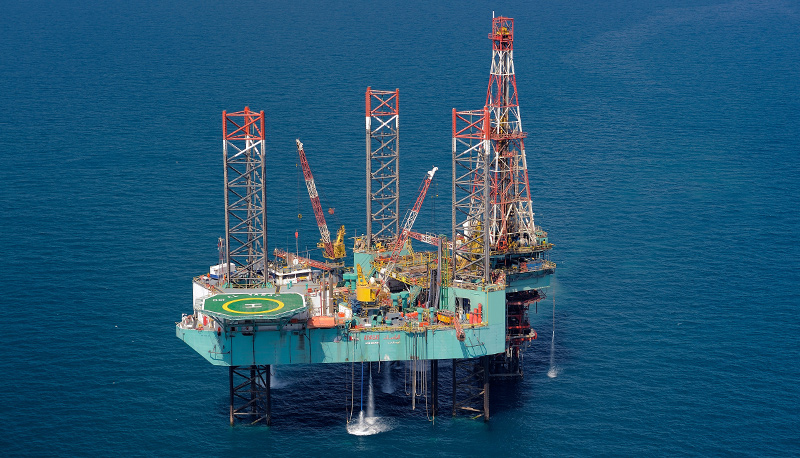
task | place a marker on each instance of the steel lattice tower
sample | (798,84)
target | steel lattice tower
(245,197)
(471,148)
(383,184)
(512,226)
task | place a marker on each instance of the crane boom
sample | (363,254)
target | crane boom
(430,239)
(408,224)
(312,193)
(310,262)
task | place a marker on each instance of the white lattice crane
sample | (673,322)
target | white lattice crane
(407,225)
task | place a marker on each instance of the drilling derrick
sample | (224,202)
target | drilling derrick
(245,198)
(512,227)
(383,204)
(495,240)
(515,241)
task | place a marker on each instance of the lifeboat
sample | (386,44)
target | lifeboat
(321,322)
(445,316)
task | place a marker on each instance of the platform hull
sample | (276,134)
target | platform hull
(311,346)
(299,344)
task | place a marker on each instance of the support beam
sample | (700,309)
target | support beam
(332,307)
(485,364)
(230,384)
(453,361)
(470,211)
(269,395)
(323,306)
(435,386)
(413,384)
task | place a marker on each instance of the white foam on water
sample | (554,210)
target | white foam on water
(368,426)
(277,383)
(554,370)
(274,382)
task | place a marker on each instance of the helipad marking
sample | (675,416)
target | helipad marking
(226,307)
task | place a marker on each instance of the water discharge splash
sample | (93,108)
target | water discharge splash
(275,382)
(554,370)
(368,426)
(368,423)
(388,384)
(370,397)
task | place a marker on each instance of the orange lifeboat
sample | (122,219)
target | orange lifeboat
(321,322)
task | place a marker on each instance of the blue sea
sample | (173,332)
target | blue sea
(664,155)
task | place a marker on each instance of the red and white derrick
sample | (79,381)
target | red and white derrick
(511,213)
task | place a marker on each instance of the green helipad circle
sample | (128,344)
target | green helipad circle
(251,306)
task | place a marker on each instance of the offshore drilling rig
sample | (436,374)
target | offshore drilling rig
(466,301)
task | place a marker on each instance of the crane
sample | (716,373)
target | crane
(430,239)
(334,251)
(407,225)
(339,251)
(310,262)
(364,291)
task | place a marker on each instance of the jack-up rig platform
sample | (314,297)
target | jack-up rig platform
(467,300)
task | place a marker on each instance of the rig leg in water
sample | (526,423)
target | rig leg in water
(250,394)
(471,387)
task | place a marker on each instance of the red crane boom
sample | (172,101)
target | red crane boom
(312,193)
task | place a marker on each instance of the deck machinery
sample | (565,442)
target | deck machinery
(466,301)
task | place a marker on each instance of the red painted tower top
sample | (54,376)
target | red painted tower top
(243,125)
(501,96)
(502,35)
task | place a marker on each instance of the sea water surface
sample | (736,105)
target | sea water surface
(664,156)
